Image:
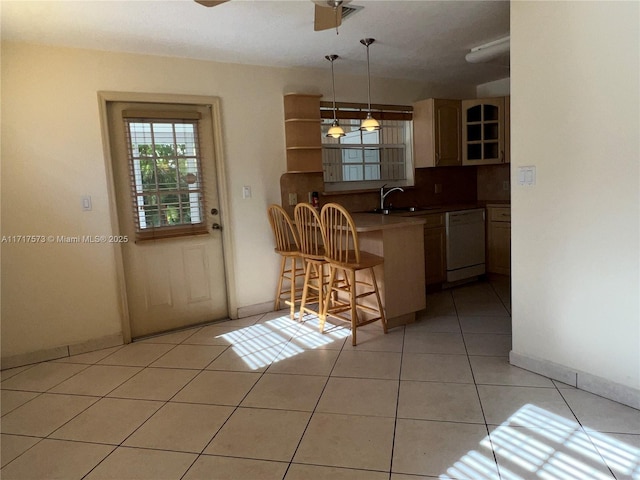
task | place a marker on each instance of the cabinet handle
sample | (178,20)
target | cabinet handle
(437,158)
(501,156)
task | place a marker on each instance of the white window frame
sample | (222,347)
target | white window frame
(196,225)
(350,116)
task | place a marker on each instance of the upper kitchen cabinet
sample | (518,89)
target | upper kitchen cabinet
(302,132)
(437,127)
(483,131)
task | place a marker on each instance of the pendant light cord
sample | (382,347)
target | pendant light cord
(333,87)
(368,79)
(369,123)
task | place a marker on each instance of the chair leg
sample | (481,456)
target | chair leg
(305,289)
(354,309)
(323,316)
(319,268)
(383,319)
(283,266)
(294,281)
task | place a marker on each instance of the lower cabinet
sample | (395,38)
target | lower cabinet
(499,240)
(435,249)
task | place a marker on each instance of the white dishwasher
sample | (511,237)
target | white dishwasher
(465,244)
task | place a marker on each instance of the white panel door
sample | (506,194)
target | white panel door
(178,281)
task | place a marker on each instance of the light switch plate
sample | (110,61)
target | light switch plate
(527,176)
(293,199)
(246,191)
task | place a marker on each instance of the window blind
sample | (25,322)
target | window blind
(358,111)
(165,171)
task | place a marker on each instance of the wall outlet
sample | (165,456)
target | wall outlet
(438,188)
(293,199)
(86,203)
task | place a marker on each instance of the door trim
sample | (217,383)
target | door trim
(105,97)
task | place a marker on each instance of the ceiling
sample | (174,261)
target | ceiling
(416,40)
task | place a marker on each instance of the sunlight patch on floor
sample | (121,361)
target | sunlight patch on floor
(547,446)
(265,343)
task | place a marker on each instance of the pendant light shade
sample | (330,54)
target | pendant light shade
(335,131)
(369,124)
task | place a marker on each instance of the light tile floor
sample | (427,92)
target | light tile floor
(267,398)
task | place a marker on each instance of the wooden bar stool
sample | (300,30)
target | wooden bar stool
(343,254)
(311,240)
(289,249)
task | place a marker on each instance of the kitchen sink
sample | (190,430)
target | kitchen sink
(381,211)
(400,210)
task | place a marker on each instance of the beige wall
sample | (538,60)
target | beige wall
(57,294)
(497,88)
(575,234)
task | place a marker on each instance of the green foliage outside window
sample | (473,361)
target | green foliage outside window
(164,170)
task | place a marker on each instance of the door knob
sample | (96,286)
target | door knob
(214,211)
(216,226)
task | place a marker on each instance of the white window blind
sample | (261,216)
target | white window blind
(377,156)
(165,168)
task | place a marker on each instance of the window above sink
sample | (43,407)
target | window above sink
(364,160)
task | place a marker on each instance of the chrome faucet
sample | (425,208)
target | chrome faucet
(383,194)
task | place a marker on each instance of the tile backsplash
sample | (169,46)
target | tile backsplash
(494,183)
(456,184)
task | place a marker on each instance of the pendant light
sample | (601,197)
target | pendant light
(335,131)
(369,124)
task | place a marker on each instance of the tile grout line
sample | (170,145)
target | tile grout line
(584,431)
(314,410)
(164,403)
(484,416)
(290,463)
(395,420)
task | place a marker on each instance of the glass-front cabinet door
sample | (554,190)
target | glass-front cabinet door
(483,131)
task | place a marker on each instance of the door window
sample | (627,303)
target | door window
(166,176)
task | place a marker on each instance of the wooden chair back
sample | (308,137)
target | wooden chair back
(310,233)
(341,238)
(283,231)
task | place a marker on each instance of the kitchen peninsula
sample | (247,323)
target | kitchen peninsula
(401,279)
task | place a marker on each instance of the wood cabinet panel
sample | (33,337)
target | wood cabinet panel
(483,131)
(437,125)
(434,255)
(499,214)
(435,248)
(499,240)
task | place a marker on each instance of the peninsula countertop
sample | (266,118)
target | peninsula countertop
(369,222)
(401,279)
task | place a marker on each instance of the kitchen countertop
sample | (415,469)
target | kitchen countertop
(421,211)
(498,204)
(369,222)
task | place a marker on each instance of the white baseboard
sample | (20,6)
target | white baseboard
(582,380)
(34,357)
(256,309)
(55,353)
(61,352)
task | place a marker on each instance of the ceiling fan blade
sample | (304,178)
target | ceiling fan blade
(327,17)
(208,3)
